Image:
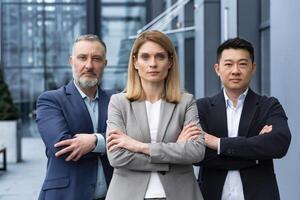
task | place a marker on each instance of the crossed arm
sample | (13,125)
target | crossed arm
(56,134)
(272,141)
(127,152)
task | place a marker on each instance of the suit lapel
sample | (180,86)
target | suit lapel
(140,113)
(166,112)
(76,100)
(249,109)
(219,115)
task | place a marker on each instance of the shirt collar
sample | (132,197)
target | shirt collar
(241,98)
(84,96)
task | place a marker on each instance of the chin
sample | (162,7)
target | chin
(88,82)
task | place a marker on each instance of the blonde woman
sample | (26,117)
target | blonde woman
(153,134)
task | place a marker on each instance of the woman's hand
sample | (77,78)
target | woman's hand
(118,139)
(189,132)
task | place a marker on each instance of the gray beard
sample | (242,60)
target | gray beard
(86,83)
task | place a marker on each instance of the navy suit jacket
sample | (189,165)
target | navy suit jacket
(250,153)
(61,114)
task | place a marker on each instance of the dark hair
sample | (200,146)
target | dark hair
(236,43)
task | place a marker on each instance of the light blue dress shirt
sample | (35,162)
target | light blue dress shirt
(92,106)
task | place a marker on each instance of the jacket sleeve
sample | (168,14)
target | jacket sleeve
(121,157)
(52,125)
(50,121)
(265,146)
(212,159)
(188,152)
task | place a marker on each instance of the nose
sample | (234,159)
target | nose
(88,64)
(152,63)
(235,70)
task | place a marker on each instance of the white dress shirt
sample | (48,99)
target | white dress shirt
(233,186)
(155,188)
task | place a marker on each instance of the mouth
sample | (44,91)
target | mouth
(235,80)
(153,73)
(89,74)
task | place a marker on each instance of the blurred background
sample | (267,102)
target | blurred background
(36,36)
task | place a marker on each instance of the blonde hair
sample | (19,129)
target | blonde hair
(134,90)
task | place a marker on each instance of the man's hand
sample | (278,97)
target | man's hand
(78,146)
(211,141)
(118,139)
(189,132)
(266,129)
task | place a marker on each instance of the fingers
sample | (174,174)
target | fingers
(73,155)
(64,151)
(190,128)
(189,132)
(112,143)
(63,143)
(266,129)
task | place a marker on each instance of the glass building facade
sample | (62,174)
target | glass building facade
(36,36)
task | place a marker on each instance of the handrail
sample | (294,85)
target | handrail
(165,16)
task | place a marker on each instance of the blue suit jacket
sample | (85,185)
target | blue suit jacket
(61,114)
(250,153)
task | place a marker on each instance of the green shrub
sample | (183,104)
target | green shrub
(8,110)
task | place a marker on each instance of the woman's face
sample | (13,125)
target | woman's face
(152,63)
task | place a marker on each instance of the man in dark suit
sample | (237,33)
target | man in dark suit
(72,124)
(244,131)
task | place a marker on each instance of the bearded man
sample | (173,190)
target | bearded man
(72,123)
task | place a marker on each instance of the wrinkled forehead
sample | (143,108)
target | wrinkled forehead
(88,47)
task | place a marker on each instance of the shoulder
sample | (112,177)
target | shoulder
(209,100)
(270,104)
(185,96)
(52,94)
(186,100)
(119,98)
(264,100)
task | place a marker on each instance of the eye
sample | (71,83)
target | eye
(161,56)
(228,64)
(144,56)
(98,59)
(81,57)
(243,64)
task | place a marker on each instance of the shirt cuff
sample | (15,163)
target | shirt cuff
(100,146)
(219,143)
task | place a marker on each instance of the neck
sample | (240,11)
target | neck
(153,91)
(90,92)
(233,95)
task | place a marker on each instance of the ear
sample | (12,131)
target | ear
(170,64)
(105,62)
(217,69)
(134,61)
(71,61)
(253,68)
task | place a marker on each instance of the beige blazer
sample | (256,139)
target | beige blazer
(173,160)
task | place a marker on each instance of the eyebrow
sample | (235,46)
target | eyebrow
(231,60)
(151,53)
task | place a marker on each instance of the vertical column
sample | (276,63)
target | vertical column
(207,39)
(248,28)
(93,17)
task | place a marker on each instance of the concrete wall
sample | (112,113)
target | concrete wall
(285,85)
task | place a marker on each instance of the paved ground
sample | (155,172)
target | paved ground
(23,180)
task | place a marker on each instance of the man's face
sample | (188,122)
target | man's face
(88,61)
(235,69)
